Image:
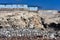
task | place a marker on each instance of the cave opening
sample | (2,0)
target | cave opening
(1,27)
(54,26)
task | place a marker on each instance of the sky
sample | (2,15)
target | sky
(42,4)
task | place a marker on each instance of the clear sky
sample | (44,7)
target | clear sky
(44,4)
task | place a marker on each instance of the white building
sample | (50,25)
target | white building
(20,6)
(13,6)
(33,8)
(48,11)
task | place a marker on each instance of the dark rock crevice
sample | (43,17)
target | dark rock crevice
(44,24)
(54,26)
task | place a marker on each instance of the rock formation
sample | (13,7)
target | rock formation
(21,20)
(28,23)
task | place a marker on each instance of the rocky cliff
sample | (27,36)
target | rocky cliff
(22,23)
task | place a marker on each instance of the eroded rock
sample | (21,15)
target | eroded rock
(23,20)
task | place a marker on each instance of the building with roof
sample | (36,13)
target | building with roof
(19,6)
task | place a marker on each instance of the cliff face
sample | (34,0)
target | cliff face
(28,23)
(51,20)
(26,19)
(23,19)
